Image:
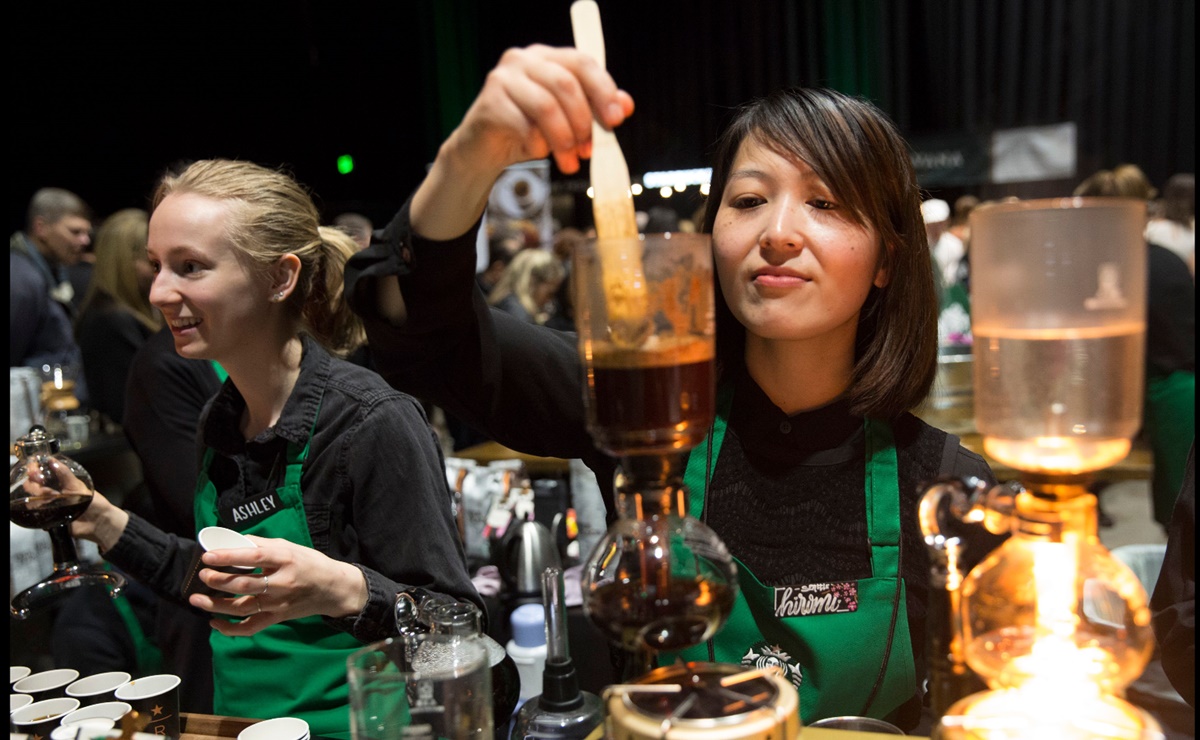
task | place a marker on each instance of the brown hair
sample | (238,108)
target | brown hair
(274,216)
(858,153)
(120,243)
(55,204)
(1179,199)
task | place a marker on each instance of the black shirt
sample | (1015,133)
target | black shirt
(1170,314)
(374,488)
(164,398)
(109,335)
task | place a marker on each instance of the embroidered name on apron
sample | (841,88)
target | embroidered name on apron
(245,514)
(816,598)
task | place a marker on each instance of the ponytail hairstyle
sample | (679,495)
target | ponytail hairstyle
(272,216)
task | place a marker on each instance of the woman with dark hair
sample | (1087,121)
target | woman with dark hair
(826,338)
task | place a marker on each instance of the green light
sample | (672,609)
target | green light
(345,164)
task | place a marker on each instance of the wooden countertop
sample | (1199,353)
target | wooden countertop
(211,726)
(214,727)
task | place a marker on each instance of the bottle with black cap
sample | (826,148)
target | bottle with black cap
(562,710)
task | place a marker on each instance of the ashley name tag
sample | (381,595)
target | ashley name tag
(251,512)
(816,598)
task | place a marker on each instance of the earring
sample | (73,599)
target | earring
(277,297)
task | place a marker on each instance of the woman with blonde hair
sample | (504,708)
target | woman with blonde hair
(335,476)
(526,288)
(116,317)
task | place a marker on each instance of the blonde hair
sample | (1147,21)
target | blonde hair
(528,268)
(273,216)
(120,243)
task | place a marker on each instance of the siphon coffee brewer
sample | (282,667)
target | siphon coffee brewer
(47,490)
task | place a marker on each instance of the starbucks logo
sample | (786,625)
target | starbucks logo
(763,654)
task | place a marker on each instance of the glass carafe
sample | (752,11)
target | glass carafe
(48,491)
(464,620)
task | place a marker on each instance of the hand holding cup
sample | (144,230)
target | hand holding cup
(276,580)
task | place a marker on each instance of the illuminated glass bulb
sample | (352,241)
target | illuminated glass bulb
(660,580)
(1056,626)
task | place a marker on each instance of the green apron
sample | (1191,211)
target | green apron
(847,648)
(1170,429)
(293,669)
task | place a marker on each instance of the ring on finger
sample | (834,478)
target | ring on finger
(266,585)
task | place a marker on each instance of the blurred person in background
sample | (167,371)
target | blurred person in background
(526,289)
(565,242)
(1174,224)
(1170,401)
(116,317)
(935,212)
(58,227)
(356,226)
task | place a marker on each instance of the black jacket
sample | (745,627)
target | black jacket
(374,486)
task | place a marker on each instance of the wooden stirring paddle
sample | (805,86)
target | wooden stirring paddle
(612,207)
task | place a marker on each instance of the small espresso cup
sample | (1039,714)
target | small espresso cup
(83,730)
(280,728)
(154,698)
(214,538)
(97,687)
(41,717)
(47,684)
(112,710)
(16,701)
(17,672)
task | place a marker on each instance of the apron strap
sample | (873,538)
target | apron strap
(698,473)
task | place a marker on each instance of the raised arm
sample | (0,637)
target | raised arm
(537,102)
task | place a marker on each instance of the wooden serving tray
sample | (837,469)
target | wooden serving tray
(212,726)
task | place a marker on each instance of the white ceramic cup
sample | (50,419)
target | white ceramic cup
(94,688)
(281,728)
(47,684)
(88,728)
(16,701)
(113,710)
(17,672)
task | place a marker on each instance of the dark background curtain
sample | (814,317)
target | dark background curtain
(106,95)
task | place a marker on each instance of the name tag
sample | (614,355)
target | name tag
(816,598)
(251,512)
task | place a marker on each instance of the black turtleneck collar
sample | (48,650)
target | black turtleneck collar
(826,435)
